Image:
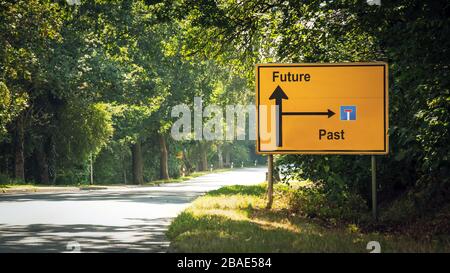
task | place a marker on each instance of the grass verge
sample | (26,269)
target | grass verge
(233,219)
(17,186)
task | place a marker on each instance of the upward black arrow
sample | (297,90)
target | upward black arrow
(278,95)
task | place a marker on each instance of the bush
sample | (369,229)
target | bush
(401,211)
(76,175)
(316,201)
(7,180)
(4,179)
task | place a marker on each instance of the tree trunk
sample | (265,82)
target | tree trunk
(203,157)
(91,170)
(227,158)
(19,160)
(124,166)
(138,167)
(42,164)
(51,160)
(163,161)
(220,157)
(187,163)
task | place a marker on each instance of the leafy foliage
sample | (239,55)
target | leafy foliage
(10,106)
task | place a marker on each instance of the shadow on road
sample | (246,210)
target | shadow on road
(149,236)
(158,197)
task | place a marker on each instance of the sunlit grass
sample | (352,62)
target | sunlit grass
(32,186)
(234,219)
(14,185)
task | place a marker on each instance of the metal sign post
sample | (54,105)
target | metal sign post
(374,188)
(270,182)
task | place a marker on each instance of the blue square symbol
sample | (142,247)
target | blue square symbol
(348,112)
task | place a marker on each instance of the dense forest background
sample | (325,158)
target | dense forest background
(96,82)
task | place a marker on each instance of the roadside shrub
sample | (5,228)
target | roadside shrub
(7,180)
(401,211)
(316,201)
(77,175)
(4,179)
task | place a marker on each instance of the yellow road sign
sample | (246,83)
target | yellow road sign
(322,108)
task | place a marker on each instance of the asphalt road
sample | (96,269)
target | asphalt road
(129,219)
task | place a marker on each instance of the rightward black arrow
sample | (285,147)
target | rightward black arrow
(329,113)
(278,95)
